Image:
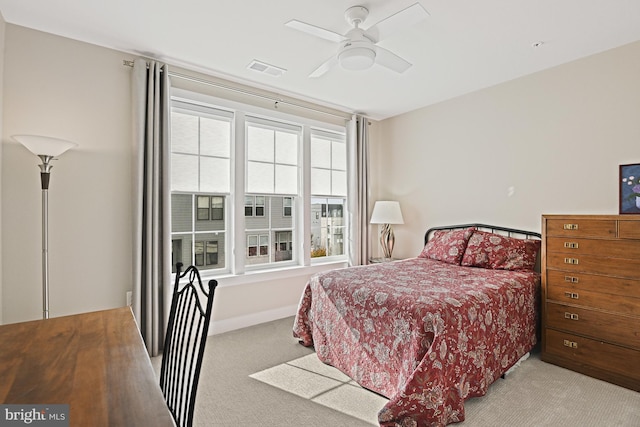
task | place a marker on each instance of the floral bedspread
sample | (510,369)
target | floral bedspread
(426,334)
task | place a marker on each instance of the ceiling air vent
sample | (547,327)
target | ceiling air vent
(262,67)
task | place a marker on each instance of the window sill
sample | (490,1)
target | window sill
(272,274)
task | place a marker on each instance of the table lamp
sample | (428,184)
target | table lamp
(387,213)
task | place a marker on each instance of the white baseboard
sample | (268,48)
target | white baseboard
(239,322)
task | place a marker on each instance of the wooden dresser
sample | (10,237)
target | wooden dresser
(591,295)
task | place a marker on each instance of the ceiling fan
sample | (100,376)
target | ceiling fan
(359,48)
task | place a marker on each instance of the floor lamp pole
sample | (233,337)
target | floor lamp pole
(47,149)
(45,174)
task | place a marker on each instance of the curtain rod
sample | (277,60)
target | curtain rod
(245,92)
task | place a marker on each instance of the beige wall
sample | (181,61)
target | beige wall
(58,87)
(554,138)
(63,88)
(2,31)
(550,142)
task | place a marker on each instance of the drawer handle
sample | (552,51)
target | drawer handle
(570,344)
(571,245)
(570,316)
(572,295)
(570,226)
(571,279)
(573,261)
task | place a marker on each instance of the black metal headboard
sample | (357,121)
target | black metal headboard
(511,232)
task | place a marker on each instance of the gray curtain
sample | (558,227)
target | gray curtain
(151,245)
(358,183)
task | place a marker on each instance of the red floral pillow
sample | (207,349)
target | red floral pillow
(447,246)
(488,250)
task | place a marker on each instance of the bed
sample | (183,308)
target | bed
(432,331)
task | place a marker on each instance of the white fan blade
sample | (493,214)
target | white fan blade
(397,22)
(326,66)
(391,60)
(315,31)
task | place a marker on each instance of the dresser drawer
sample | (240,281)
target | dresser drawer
(578,282)
(629,229)
(618,329)
(589,299)
(591,289)
(577,227)
(618,248)
(616,267)
(607,357)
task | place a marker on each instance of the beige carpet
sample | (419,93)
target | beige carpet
(533,394)
(261,377)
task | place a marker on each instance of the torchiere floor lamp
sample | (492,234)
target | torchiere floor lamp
(47,149)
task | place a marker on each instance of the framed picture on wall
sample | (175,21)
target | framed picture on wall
(630,189)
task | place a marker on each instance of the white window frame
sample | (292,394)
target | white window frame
(236,241)
(195,107)
(332,136)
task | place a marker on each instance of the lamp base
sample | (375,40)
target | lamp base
(387,240)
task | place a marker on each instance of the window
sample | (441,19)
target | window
(283,246)
(254,206)
(210,208)
(238,177)
(272,171)
(258,245)
(206,253)
(203,208)
(252,245)
(211,252)
(329,191)
(249,205)
(200,184)
(272,157)
(217,208)
(259,205)
(286,206)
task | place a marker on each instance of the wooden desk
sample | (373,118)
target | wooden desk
(95,362)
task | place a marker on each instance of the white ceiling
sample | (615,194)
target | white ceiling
(463,46)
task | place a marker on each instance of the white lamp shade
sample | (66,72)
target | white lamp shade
(387,212)
(44,145)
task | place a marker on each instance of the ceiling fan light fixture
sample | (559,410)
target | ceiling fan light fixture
(356,57)
(359,48)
